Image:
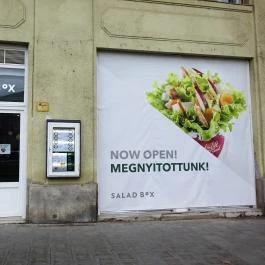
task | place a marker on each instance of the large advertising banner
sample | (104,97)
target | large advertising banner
(173,132)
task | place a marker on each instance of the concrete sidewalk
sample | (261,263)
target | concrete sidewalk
(207,242)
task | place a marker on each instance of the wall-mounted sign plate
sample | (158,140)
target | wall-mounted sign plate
(63,148)
(42,106)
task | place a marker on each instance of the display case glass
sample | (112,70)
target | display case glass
(63,148)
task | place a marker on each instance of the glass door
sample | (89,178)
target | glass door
(12,164)
(13,132)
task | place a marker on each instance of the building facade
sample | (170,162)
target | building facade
(53,59)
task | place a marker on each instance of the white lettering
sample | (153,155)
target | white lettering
(11,88)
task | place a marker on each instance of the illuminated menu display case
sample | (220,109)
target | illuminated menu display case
(63,148)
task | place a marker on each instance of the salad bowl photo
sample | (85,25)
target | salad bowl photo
(200,104)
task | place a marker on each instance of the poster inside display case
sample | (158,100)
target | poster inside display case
(63,148)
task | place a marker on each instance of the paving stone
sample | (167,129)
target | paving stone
(194,242)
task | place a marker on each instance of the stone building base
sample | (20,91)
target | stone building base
(62,204)
(260,188)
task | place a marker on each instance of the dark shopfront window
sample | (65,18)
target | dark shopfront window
(12,85)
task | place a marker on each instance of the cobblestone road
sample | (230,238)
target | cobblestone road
(207,242)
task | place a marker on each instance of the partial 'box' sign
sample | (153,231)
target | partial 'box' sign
(12,85)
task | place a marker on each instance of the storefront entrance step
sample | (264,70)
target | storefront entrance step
(12,220)
(205,213)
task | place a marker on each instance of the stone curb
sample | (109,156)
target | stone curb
(171,216)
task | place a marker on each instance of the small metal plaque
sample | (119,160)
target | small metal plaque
(42,106)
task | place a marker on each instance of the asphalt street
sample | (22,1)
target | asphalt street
(189,242)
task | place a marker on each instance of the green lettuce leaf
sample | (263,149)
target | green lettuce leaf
(223,116)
